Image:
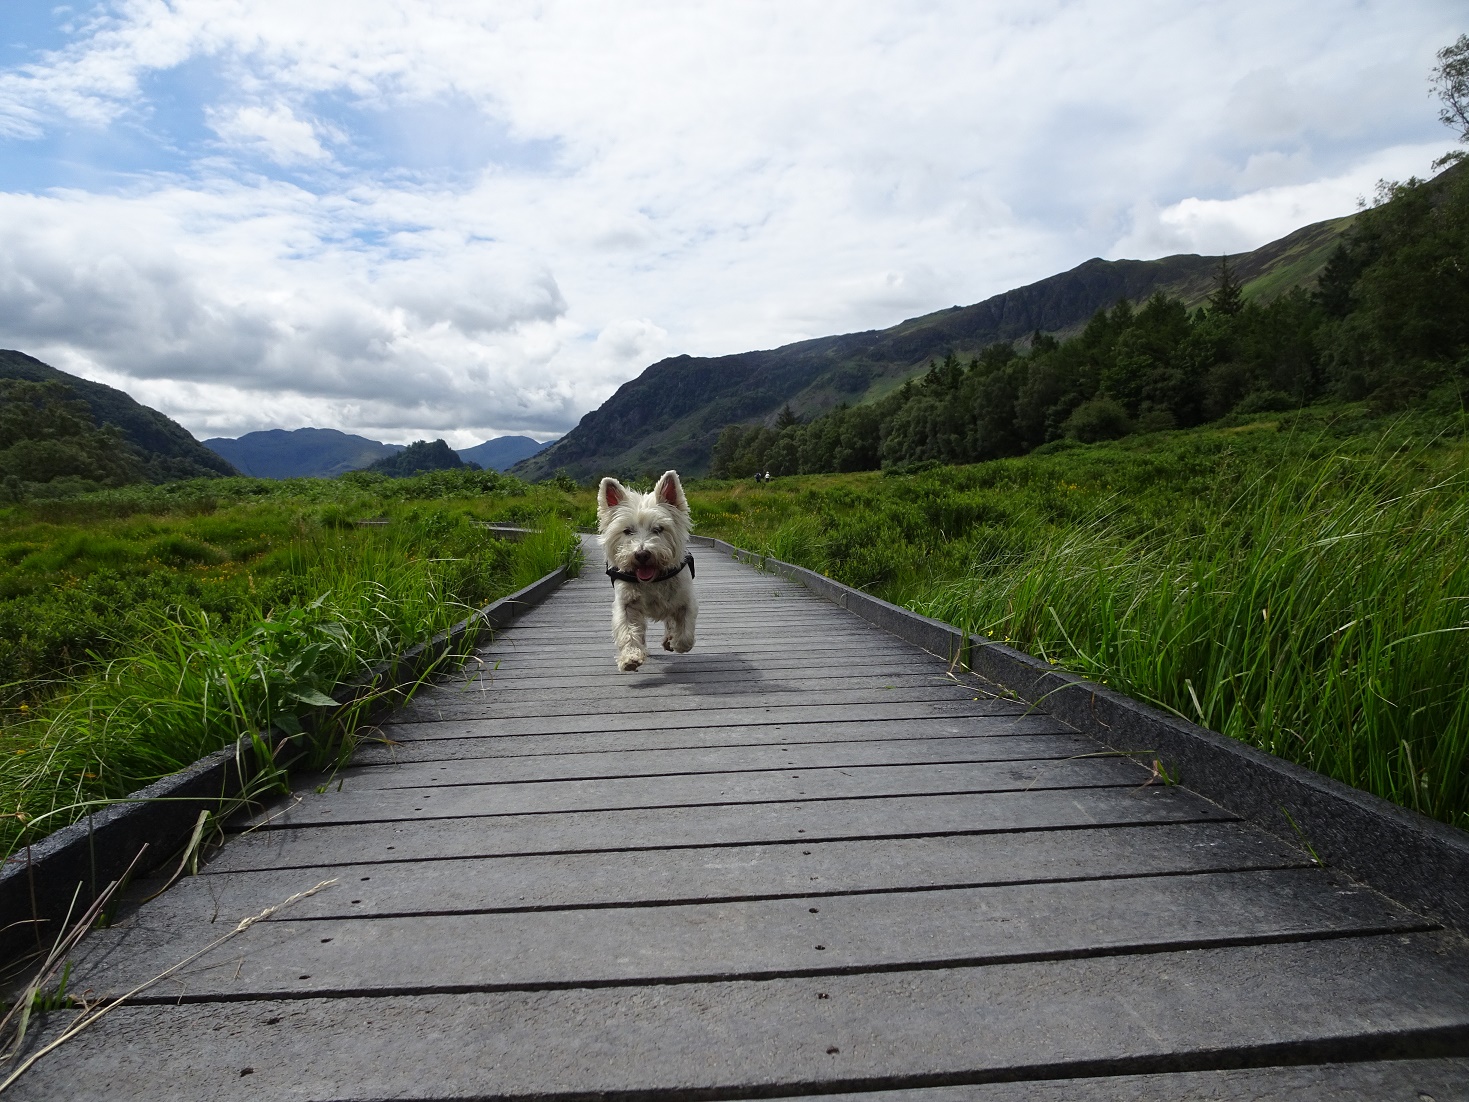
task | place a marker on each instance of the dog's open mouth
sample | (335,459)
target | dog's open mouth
(646,573)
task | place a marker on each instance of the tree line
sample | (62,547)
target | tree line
(47,434)
(1388,321)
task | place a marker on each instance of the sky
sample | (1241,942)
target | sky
(431,218)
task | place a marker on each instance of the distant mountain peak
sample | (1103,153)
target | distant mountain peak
(326,453)
(503,452)
(300,453)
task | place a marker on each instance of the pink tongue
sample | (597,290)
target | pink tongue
(647,573)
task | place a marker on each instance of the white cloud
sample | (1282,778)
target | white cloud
(483,218)
(240,294)
(631,340)
(275,131)
(1214,226)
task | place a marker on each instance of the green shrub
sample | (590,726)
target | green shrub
(1099,419)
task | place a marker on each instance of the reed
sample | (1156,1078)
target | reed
(192,682)
(1304,589)
(1323,616)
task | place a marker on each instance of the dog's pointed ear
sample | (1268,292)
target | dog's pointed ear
(670,491)
(610,494)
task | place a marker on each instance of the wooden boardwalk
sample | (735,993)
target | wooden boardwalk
(804,859)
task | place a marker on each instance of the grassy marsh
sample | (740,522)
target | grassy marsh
(1297,581)
(151,626)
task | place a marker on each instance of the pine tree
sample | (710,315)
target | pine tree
(1227,298)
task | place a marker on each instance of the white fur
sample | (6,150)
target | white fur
(646,534)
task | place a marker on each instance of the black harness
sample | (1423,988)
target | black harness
(623,576)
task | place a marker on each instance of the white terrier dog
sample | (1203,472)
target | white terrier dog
(644,537)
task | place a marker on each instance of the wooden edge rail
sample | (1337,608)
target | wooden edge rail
(1417,860)
(39,883)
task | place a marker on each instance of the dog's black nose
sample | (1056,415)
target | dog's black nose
(641,557)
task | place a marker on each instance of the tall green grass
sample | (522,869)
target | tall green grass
(192,682)
(1322,615)
(1301,589)
(80,579)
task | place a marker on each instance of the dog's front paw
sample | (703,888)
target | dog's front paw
(630,661)
(682,644)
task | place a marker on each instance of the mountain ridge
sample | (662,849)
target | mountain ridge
(325,453)
(300,453)
(671,414)
(501,453)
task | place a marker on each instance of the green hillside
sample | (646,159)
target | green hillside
(419,457)
(671,415)
(165,450)
(1388,320)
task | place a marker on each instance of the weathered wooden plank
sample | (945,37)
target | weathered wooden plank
(574,715)
(728,824)
(730,607)
(721,636)
(733,671)
(662,762)
(1351,999)
(592,658)
(455,740)
(1368,1081)
(592,662)
(594,606)
(551,661)
(628,693)
(593,626)
(635,694)
(719,873)
(687,790)
(591,677)
(721,613)
(593,669)
(946,927)
(727,639)
(843,638)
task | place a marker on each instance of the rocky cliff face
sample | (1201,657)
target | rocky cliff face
(671,414)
